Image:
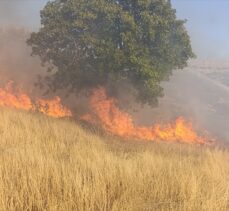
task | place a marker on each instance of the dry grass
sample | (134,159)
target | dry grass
(48,164)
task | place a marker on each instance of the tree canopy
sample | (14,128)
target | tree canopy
(87,43)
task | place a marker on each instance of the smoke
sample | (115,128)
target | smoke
(15,61)
(17,19)
(199,93)
(26,72)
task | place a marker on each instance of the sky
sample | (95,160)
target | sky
(208,26)
(208,22)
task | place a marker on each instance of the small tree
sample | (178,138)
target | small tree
(103,42)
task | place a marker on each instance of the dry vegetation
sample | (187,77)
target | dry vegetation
(48,164)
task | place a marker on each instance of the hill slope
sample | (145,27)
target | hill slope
(49,164)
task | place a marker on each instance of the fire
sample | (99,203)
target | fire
(19,100)
(53,107)
(106,113)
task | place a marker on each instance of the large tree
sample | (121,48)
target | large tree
(87,43)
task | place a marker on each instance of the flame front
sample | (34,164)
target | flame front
(53,107)
(106,113)
(19,100)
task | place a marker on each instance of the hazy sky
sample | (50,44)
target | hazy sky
(208,25)
(208,22)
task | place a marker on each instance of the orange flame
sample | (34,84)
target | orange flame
(112,119)
(19,100)
(53,108)
(106,113)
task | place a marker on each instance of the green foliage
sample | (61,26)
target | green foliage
(103,42)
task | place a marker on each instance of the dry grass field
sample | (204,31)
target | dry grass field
(50,164)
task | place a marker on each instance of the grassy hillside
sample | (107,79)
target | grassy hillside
(48,164)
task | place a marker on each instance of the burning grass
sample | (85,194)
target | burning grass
(52,164)
(16,98)
(104,111)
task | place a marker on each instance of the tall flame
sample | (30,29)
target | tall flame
(112,119)
(17,99)
(53,108)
